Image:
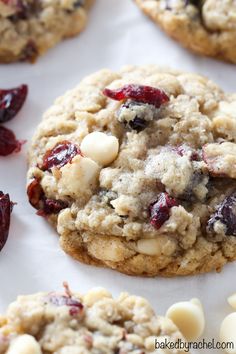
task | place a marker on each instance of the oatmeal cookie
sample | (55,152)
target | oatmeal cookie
(135,170)
(28,28)
(207,27)
(74,324)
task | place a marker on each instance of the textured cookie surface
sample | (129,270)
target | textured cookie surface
(207,27)
(94,323)
(134,187)
(28,28)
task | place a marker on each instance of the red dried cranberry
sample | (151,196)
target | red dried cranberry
(8,142)
(160,210)
(37,199)
(139,93)
(5,214)
(74,311)
(35,193)
(11,102)
(226,214)
(61,300)
(51,206)
(60,155)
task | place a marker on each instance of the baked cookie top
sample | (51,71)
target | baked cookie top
(28,28)
(136,170)
(207,27)
(94,323)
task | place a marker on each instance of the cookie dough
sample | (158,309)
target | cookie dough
(70,323)
(28,28)
(207,27)
(147,195)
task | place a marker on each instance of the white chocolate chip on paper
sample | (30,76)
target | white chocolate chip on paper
(232,301)
(188,316)
(228,332)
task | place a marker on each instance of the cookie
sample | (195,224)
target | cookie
(94,323)
(136,171)
(207,27)
(28,28)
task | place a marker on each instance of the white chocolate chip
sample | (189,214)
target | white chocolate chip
(232,301)
(78,177)
(24,344)
(100,147)
(188,316)
(150,247)
(156,247)
(227,332)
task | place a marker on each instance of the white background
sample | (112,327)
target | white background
(117,34)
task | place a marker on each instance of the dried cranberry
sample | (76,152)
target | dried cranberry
(226,214)
(37,199)
(8,142)
(51,206)
(75,310)
(61,300)
(60,155)
(160,210)
(35,193)
(139,93)
(11,102)
(5,214)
